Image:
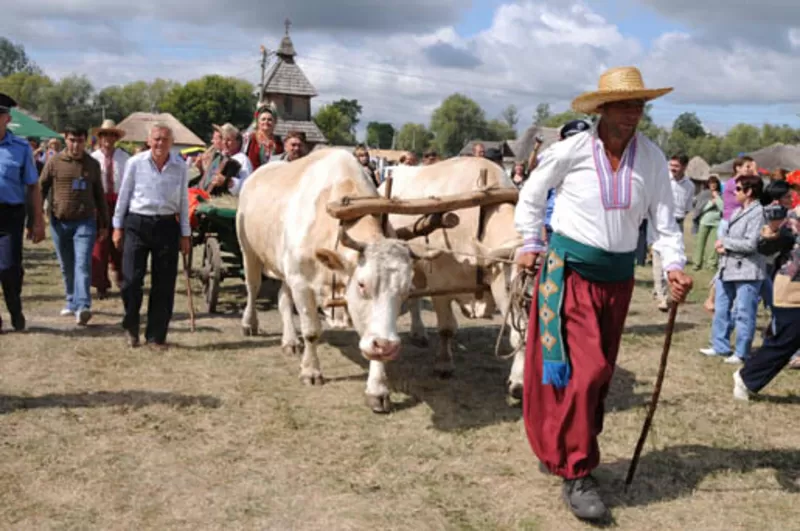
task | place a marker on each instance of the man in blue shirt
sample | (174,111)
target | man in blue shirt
(19,182)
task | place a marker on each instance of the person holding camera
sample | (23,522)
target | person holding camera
(781,235)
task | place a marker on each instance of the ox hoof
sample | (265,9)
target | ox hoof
(250,331)
(312,379)
(292,349)
(515,390)
(419,341)
(379,404)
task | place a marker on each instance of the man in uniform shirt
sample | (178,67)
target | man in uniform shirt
(112,167)
(19,182)
(607,180)
(152,219)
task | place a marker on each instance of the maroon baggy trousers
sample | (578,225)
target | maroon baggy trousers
(563,424)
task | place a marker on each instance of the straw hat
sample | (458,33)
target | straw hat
(109,126)
(617,84)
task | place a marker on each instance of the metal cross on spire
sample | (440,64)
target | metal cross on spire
(287,24)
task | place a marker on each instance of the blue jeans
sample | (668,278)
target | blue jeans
(743,318)
(74,241)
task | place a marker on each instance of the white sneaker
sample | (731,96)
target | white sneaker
(82,317)
(710,352)
(66,312)
(740,390)
(733,359)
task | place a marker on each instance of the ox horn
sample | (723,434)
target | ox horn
(502,252)
(423,255)
(428,224)
(346,240)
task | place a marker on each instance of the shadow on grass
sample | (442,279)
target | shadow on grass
(244,344)
(657,328)
(676,472)
(134,399)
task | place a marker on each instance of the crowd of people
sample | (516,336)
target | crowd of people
(588,208)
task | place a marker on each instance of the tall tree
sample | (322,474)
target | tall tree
(457,121)
(651,130)
(499,130)
(557,120)
(26,88)
(335,125)
(542,114)
(689,124)
(510,116)
(352,110)
(380,134)
(414,137)
(13,59)
(69,102)
(211,100)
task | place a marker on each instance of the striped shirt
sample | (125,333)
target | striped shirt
(149,192)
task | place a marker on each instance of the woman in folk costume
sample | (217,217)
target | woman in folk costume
(112,165)
(607,180)
(262,145)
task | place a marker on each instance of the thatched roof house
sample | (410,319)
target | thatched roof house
(770,158)
(698,169)
(524,145)
(137,128)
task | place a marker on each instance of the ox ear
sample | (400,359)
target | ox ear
(332,260)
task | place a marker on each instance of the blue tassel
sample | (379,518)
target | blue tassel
(556,373)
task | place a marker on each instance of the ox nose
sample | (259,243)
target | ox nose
(384,349)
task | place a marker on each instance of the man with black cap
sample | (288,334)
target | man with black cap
(19,181)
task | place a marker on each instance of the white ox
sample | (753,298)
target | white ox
(285,232)
(500,239)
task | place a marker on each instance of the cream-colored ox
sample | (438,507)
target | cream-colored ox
(285,231)
(500,240)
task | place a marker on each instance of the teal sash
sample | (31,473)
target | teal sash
(594,265)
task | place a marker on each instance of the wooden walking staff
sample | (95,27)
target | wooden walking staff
(651,410)
(188,290)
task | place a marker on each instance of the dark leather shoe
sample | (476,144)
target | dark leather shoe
(132,339)
(18,322)
(584,500)
(157,346)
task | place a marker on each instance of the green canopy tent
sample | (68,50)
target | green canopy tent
(25,126)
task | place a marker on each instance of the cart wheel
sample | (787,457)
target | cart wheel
(212,273)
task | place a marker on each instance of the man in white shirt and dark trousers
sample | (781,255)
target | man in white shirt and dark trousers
(683,197)
(152,218)
(607,180)
(112,166)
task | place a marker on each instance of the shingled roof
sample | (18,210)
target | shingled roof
(312,132)
(285,77)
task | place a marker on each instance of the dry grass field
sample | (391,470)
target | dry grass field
(218,432)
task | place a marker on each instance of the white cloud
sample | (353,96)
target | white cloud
(533,52)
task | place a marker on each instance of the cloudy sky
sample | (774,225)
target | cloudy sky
(400,58)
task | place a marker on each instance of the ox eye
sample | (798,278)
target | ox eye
(362,288)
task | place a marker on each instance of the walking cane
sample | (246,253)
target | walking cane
(651,410)
(188,290)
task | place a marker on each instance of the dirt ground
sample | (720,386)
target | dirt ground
(218,432)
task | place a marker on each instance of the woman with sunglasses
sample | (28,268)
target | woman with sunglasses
(742,270)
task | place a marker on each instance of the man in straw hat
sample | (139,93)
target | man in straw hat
(19,183)
(608,179)
(112,167)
